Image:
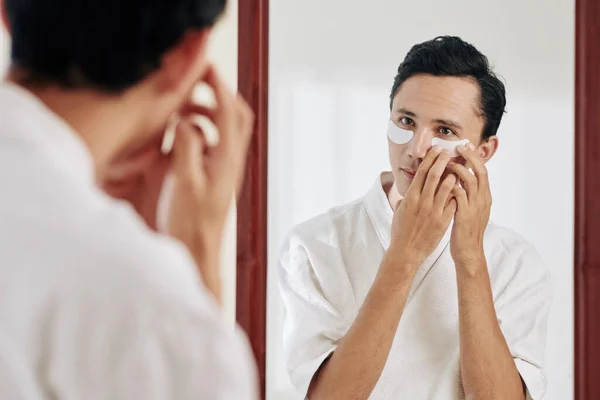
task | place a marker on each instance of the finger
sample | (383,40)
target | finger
(476,163)
(239,137)
(246,125)
(434,175)
(467,178)
(461,197)
(246,131)
(247,119)
(450,209)
(232,150)
(223,95)
(416,187)
(190,110)
(444,192)
(132,166)
(188,153)
(232,118)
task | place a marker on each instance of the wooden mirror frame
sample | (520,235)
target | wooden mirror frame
(253,74)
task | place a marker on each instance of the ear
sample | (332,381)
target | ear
(185,62)
(488,148)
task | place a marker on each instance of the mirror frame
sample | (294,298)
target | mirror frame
(253,83)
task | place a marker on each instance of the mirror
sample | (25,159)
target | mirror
(332,66)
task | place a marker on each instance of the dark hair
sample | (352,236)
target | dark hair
(108,45)
(451,56)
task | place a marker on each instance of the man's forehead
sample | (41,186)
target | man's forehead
(438,97)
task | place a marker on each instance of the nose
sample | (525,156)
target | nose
(419,145)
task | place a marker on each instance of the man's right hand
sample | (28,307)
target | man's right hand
(204,178)
(420,222)
(423,216)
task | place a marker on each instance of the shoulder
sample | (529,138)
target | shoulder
(501,235)
(323,234)
(143,299)
(118,246)
(513,258)
(328,227)
(501,242)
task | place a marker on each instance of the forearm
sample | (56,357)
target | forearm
(487,367)
(354,369)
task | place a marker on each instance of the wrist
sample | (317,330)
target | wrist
(207,255)
(402,261)
(394,277)
(470,262)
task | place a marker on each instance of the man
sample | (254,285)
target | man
(409,292)
(94,302)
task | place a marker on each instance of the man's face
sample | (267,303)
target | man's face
(432,107)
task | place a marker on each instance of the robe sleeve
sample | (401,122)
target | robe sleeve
(313,325)
(522,309)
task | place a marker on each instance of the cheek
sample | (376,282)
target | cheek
(396,152)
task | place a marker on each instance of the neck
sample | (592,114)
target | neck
(393,195)
(99,119)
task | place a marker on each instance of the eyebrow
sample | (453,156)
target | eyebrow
(447,122)
(407,112)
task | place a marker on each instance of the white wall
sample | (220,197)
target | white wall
(223,52)
(332,64)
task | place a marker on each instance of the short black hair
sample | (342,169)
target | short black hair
(452,56)
(108,45)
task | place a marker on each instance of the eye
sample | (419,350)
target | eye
(407,121)
(446,131)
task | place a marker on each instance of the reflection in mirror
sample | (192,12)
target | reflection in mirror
(391,128)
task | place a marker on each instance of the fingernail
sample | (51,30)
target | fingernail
(471,146)
(438,149)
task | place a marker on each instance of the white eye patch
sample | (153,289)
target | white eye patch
(398,135)
(449,145)
(402,136)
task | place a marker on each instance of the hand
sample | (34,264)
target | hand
(205,178)
(424,214)
(474,202)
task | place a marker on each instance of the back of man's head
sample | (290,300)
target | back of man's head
(451,56)
(107,45)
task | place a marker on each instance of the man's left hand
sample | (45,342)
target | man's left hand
(474,202)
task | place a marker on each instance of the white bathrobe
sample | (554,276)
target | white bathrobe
(329,263)
(93,304)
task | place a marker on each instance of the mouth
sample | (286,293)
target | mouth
(408,174)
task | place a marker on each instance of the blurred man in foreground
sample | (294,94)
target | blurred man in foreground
(95,302)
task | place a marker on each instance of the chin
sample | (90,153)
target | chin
(402,184)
